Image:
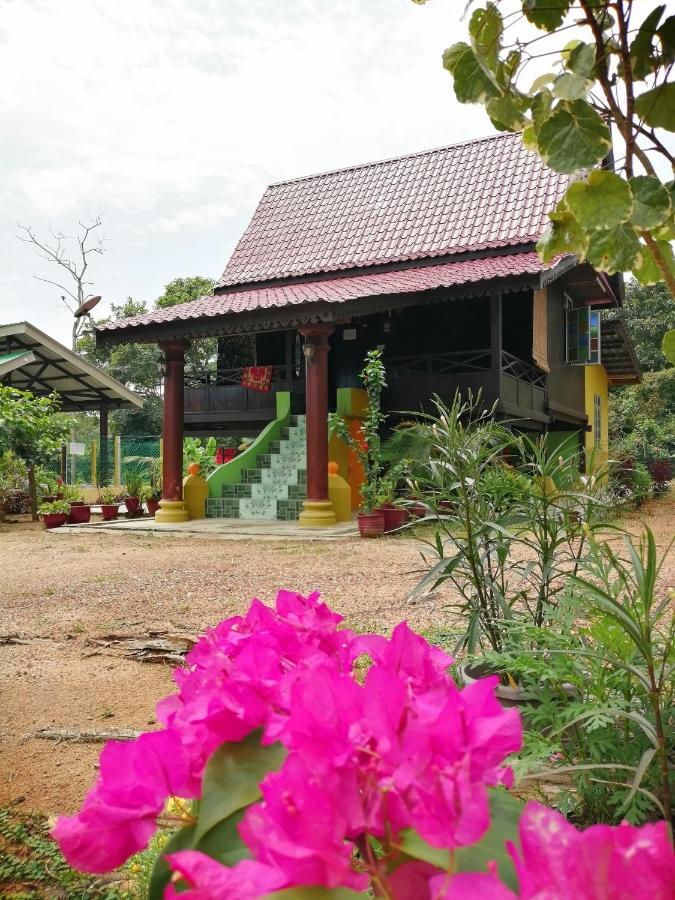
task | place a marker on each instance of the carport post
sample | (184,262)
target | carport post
(103,473)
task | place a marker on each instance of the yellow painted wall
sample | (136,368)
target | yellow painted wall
(596,383)
(351,405)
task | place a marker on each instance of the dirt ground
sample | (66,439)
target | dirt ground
(59,594)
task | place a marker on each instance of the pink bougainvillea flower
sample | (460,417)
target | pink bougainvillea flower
(477,886)
(299,830)
(210,880)
(412,881)
(118,816)
(600,863)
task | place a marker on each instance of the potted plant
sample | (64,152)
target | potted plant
(54,514)
(80,512)
(395,517)
(110,504)
(133,486)
(367,448)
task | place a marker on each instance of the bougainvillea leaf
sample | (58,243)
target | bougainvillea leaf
(563,235)
(657,107)
(615,249)
(546,14)
(603,200)
(573,137)
(223,842)
(505,812)
(314,893)
(652,201)
(182,839)
(232,778)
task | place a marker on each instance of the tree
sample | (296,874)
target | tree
(647,310)
(202,354)
(31,430)
(136,365)
(616,70)
(57,252)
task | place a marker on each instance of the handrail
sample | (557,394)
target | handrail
(518,368)
(231,376)
(440,363)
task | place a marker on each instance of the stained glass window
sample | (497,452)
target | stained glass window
(583,336)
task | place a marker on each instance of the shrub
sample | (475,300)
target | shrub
(661,472)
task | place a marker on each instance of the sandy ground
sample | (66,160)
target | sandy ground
(60,594)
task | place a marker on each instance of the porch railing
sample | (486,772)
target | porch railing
(232,377)
(523,371)
(452,363)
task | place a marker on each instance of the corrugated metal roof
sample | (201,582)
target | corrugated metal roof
(421,277)
(482,194)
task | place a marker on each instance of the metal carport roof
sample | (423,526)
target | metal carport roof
(32,361)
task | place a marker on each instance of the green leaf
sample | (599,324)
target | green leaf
(648,270)
(580,58)
(546,14)
(652,201)
(657,107)
(222,842)
(571,87)
(161,873)
(232,778)
(471,82)
(573,137)
(452,54)
(505,114)
(563,235)
(642,56)
(541,107)
(602,201)
(614,249)
(505,813)
(668,345)
(415,846)
(314,893)
(542,81)
(485,28)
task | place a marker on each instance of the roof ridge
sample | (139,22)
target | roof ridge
(390,159)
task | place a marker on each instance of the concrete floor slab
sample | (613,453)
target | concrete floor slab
(227,529)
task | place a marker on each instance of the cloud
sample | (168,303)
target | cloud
(170,117)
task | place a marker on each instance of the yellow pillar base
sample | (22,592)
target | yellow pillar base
(317,514)
(172,511)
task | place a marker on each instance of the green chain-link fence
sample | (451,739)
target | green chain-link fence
(104,462)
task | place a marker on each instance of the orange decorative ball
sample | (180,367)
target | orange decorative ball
(193,468)
(333,468)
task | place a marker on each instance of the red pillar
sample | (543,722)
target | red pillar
(172,508)
(317,508)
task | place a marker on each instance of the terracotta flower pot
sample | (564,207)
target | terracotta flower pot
(109,511)
(132,504)
(76,503)
(394,517)
(54,520)
(417,510)
(370,524)
(153,505)
(79,514)
(48,498)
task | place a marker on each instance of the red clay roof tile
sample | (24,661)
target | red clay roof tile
(483,194)
(343,288)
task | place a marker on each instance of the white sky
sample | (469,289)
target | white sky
(169,117)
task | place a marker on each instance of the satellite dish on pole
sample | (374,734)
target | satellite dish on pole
(86,307)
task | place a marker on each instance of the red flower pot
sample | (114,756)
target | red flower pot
(371,524)
(79,514)
(109,511)
(54,520)
(153,505)
(394,517)
(132,504)
(417,510)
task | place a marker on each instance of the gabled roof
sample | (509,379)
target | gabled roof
(478,195)
(30,360)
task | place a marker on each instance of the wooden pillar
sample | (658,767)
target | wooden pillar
(171,506)
(317,510)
